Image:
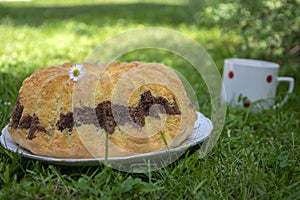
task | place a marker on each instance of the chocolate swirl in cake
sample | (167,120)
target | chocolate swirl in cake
(16,114)
(34,126)
(107,119)
(27,122)
(66,121)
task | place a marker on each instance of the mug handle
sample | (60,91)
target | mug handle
(290,90)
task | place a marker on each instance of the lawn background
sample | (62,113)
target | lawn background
(256,157)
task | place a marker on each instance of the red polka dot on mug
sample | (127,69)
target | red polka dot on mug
(246,104)
(230,74)
(269,79)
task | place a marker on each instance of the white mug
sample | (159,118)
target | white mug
(252,83)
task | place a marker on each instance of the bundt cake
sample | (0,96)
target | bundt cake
(96,111)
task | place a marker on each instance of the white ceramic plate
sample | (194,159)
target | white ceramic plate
(202,129)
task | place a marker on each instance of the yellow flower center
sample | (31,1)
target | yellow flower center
(76,72)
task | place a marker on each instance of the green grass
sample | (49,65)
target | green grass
(256,157)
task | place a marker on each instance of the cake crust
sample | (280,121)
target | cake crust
(130,108)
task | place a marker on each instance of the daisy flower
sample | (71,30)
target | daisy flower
(76,72)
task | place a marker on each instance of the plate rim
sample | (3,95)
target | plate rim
(66,161)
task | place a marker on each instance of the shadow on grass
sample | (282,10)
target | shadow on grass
(140,13)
